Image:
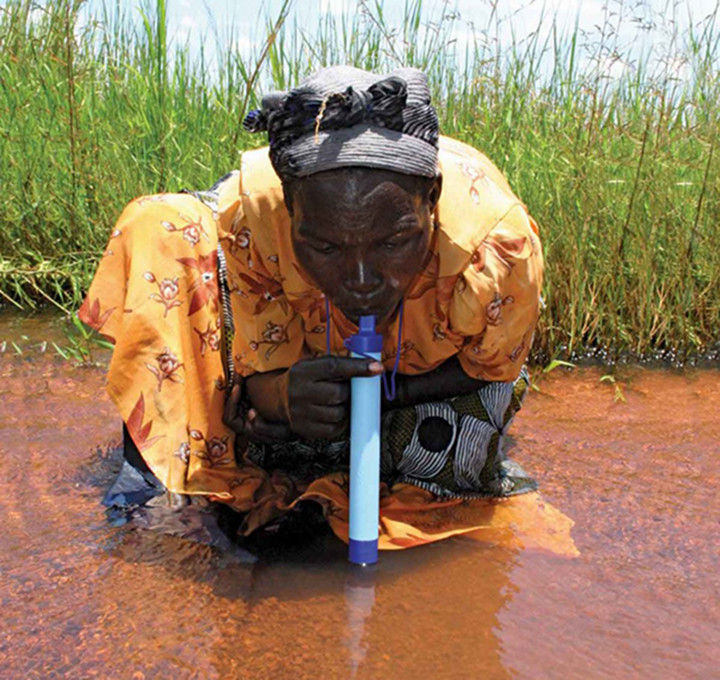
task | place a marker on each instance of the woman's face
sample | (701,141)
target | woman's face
(362,235)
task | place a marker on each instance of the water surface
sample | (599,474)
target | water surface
(83,599)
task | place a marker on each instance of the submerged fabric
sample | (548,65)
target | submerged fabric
(409,516)
(156,295)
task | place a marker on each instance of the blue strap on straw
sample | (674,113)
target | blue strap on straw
(391,389)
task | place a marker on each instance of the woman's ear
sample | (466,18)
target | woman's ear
(288,197)
(433,195)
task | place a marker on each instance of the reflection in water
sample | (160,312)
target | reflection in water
(393,620)
(80,598)
(359,600)
(428,608)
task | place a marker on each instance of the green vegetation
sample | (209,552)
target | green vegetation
(622,175)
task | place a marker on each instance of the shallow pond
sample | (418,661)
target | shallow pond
(83,599)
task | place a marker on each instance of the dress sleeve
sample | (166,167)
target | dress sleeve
(155,294)
(496,301)
(269,333)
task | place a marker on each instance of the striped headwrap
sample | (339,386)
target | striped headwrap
(342,116)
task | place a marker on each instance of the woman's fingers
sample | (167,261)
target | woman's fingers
(319,393)
(314,430)
(330,393)
(345,368)
(333,368)
(233,415)
(321,413)
(265,431)
(249,422)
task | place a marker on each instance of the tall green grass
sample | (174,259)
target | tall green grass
(622,175)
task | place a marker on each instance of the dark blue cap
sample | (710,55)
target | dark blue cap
(367,340)
(363,552)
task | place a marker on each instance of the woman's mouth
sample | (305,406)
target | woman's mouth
(354,313)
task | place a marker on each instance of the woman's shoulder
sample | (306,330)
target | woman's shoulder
(259,180)
(263,210)
(468,158)
(154,215)
(476,199)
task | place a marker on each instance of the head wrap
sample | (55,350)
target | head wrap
(343,117)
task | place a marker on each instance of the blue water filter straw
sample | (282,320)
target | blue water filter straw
(365,448)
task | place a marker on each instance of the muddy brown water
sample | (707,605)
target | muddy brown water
(81,598)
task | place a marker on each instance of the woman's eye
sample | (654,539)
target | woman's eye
(393,245)
(325,249)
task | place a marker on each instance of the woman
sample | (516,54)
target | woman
(229,309)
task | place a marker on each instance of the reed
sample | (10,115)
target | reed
(621,173)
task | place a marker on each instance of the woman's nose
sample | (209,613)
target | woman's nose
(360,278)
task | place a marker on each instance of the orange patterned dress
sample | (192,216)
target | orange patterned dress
(156,295)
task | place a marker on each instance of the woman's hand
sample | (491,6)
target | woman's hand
(248,423)
(316,394)
(310,400)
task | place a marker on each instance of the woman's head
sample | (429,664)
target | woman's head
(358,157)
(362,234)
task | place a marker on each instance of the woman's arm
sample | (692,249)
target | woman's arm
(447,380)
(311,399)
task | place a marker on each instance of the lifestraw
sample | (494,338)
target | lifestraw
(365,411)
(365,405)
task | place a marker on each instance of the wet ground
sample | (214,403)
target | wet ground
(635,464)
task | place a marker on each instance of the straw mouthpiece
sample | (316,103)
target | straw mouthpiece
(367,340)
(367,324)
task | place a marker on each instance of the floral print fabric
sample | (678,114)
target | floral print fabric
(156,296)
